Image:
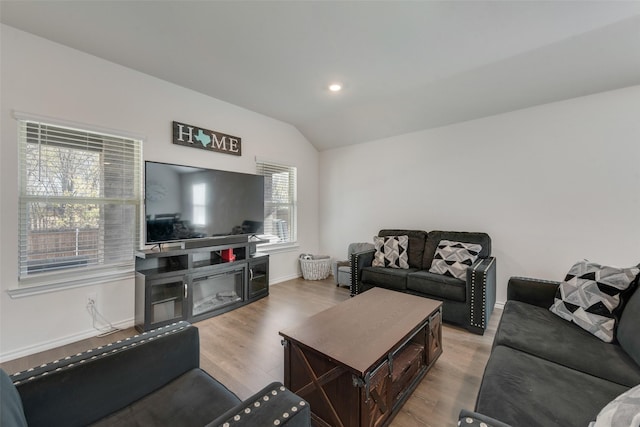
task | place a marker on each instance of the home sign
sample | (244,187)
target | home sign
(205,139)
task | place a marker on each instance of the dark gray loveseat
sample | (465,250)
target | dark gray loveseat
(152,379)
(468,303)
(545,371)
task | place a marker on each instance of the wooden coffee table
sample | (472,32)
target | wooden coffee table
(357,362)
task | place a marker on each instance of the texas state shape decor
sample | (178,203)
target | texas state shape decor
(205,139)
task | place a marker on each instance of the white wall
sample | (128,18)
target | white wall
(42,78)
(551,185)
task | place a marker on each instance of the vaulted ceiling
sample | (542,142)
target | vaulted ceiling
(404,66)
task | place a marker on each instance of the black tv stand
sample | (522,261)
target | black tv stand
(174,283)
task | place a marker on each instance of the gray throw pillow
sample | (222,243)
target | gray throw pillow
(391,251)
(624,410)
(11,411)
(589,295)
(454,258)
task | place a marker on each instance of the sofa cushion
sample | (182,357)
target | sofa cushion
(437,285)
(454,258)
(391,251)
(417,240)
(390,278)
(624,410)
(11,411)
(627,332)
(192,399)
(589,295)
(434,238)
(537,331)
(524,390)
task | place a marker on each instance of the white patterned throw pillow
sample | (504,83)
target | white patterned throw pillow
(589,295)
(624,410)
(454,258)
(391,251)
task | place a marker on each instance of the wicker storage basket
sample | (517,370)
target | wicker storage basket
(316,268)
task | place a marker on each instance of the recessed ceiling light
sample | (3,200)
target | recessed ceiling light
(335,87)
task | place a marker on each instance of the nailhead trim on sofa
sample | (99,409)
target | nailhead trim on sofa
(258,404)
(95,353)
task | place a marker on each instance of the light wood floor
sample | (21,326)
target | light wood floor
(242,349)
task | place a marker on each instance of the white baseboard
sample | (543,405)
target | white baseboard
(499,304)
(275,281)
(57,342)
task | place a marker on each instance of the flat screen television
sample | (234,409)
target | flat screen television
(185,202)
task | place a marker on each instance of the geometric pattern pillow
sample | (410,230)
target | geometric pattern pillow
(391,251)
(454,258)
(624,410)
(589,295)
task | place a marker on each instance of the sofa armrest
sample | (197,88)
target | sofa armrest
(481,291)
(532,291)
(359,260)
(474,419)
(274,405)
(84,388)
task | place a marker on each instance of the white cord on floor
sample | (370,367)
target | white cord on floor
(95,314)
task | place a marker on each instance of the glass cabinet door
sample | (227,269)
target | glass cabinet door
(167,300)
(259,276)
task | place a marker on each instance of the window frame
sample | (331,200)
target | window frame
(269,167)
(47,281)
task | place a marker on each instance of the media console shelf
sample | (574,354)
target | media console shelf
(193,284)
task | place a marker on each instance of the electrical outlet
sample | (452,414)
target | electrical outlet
(92,299)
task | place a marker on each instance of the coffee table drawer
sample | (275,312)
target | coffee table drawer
(405,367)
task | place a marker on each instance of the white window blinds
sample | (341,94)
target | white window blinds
(280,202)
(80,195)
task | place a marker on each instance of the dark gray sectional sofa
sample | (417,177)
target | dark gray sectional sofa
(545,371)
(152,379)
(468,303)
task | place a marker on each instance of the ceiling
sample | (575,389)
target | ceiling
(404,66)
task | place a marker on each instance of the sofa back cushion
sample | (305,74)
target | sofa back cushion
(81,389)
(417,240)
(628,332)
(434,238)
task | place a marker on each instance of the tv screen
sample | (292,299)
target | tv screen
(185,202)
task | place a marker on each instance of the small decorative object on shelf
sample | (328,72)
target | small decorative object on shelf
(227,255)
(315,267)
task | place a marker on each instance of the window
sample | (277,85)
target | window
(280,202)
(199,203)
(80,197)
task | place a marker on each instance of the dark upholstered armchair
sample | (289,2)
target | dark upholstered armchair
(152,379)
(466,302)
(342,269)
